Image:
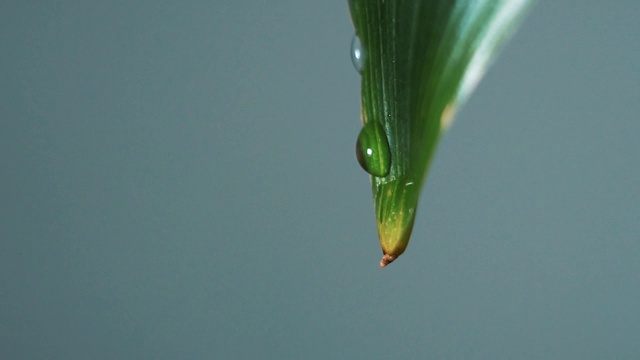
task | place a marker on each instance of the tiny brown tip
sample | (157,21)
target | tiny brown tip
(386,260)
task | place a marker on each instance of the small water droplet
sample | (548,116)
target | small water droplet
(372,150)
(357,53)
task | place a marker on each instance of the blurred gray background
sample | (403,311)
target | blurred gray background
(178,181)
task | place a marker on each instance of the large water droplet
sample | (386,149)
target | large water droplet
(357,53)
(372,150)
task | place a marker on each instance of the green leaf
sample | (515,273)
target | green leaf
(419,61)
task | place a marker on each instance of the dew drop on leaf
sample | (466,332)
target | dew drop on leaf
(357,53)
(372,150)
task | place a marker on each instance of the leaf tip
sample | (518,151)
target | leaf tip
(386,260)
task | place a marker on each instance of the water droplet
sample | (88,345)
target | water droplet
(372,150)
(357,53)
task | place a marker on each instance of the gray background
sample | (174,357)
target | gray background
(178,182)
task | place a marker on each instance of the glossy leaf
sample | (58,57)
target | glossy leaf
(419,61)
